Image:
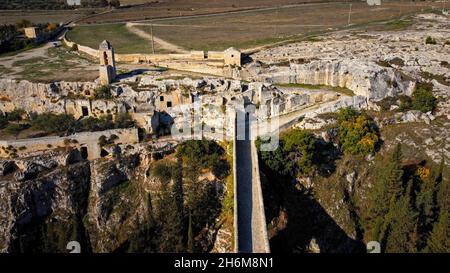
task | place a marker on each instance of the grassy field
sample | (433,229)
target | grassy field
(42,16)
(58,65)
(172,8)
(337,89)
(122,40)
(252,29)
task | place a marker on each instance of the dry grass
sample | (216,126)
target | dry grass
(123,40)
(252,29)
(58,65)
(171,8)
(42,16)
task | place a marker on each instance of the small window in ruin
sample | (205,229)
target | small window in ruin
(87,93)
(161,98)
(84,111)
(169,104)
(213,130)
(105,58)
(84,152)
(232,56)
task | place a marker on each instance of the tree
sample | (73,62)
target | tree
(443,191)
(430,40)
(16,115)
(190,243)
(357,132)
(295,154)
(24,23)
(53,123)
(439,240)
(300,146)
(15,128)
(423,98)
(426,201)
(114,3)
(103,92)
(400,235)
(388,187)
(124,120)
(163,170)
(170,221)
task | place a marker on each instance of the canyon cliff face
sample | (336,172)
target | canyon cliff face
(366,79)
(98,204)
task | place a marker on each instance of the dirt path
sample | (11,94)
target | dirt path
(40,51)
(164,44)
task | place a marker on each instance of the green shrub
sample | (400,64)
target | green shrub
(74,47)
(124,120)
(53,123)
(103,92)
(430,40)
(405,103)
(15,128)
(423,99)
(3,121)
(357,132)
(295,154)
(386,103)
(16,115)
(163,170)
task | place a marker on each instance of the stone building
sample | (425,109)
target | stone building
(107,63)
(31,32)
(74,2)
(232,56)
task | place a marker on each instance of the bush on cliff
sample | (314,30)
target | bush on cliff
(53,123)
(358,133)
(423,99)
(103,92)
(295,154)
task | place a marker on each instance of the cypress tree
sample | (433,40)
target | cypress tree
(427,204)
(190,243)
(401,228)
(439,240)
(387,189)
(443,190)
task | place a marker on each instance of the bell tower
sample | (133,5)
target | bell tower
(107,63)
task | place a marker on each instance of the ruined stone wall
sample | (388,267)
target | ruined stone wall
(193,61)
(59,97)
(26,147)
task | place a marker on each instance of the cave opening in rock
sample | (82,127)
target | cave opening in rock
(84,152)
(103,153)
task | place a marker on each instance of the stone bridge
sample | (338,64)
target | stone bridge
(250,220)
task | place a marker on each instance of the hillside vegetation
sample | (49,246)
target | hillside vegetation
(360,186)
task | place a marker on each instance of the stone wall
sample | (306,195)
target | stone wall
(90,140)
(213,62)
(58,97)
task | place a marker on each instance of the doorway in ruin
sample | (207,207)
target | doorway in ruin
(84,111)
(84,153)
(103,153)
